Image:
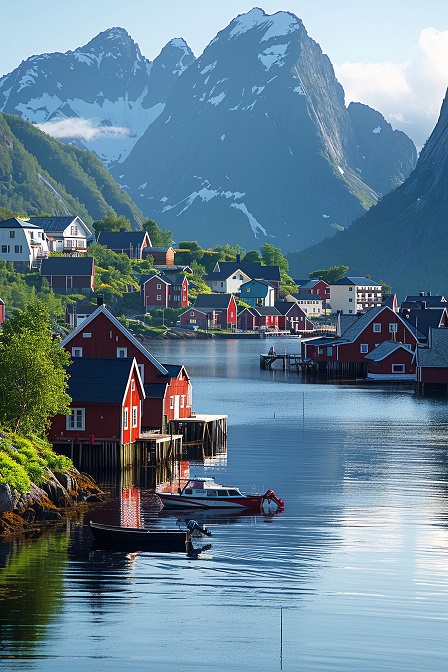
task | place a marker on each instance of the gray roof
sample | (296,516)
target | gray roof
(17,223)
(67,266)
(436,355)
(121,240)
(284,307)
(307,297)
(97,380)
(212,301)
(346,321)
(173,369)
(356,281)
(384,350)
(424,320)
(54,224)
(260,281)
(155,390)
(81,308)
(250,268)
(263,310)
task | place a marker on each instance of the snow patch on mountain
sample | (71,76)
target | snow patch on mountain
(274,55)
(282,24)
(254,225)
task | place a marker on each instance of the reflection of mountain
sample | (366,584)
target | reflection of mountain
(31,591)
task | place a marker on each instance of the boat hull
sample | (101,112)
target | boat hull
(172,501)
(157,541)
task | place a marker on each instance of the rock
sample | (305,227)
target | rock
(8,498)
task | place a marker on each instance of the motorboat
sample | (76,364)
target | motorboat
(157,541)
(205,493)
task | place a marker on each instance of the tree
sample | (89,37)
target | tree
(272,256)
(112,222)
(33,376)
(330,274)
(253,255)
(158,237)
(385,287)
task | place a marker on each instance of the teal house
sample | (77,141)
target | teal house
(257,293)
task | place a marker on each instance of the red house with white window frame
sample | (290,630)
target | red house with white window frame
(261,317)
(107,397)
(362,337)
(292,317)
(391,361)
(101,335)
(165,291)
(222,305)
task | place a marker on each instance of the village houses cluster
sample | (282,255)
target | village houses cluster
(119,390)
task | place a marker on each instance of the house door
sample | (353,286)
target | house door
(176,406)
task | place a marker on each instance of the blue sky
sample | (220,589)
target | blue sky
(389,54)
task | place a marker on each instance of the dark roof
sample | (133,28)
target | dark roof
(424,320)
(309,284)
(251,268)
(263,310)
(306,297)
(121,240)
(345,321)
(53,224)
(173,369)
(284,307)
(179,268)
(356,281)
(437,354)
(260,281)
(432,301)
(300,281)
(169,278)
(212,301)
(67,266)
(81,308)
(17,223)
(97,380)
(385,349)
(155,390)
(222,275)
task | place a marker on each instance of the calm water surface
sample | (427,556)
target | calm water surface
(352,577)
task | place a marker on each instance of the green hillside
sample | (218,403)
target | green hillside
(32,164)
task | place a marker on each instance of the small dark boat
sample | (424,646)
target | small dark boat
(156,541)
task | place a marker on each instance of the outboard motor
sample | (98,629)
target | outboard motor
(193,526)
(270,503)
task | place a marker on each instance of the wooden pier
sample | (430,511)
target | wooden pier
(289,362)
(206,433)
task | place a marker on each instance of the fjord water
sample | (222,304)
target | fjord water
(352,576)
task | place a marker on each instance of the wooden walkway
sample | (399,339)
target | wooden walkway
(288,361)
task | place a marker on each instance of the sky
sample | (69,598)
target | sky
(389,54)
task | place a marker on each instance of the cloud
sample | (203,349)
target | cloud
(81,129)
(410,94)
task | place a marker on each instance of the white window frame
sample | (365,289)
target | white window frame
(329,351)
(126,418)
(158,297)
(86,334)
(171,403)
(158,286)
(141,369)
(76,352)
(398,368)
(134,417)
(393,327)
(76,421)
(122,350)
(377,327)
(363,348)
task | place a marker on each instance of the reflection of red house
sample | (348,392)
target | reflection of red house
(107,396)
(262,317)
(165,290)
(167,386)
(292,317)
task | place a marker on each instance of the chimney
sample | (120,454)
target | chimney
(99,300)
(422,293)
(423,305)
(238,258)
(428,294)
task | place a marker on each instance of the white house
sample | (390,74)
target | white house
(22,243)
(65,234)
(311,304)
(225,282)
(355,295)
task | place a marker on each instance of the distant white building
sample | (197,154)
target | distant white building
(23,243)
(66,234)
(355,295)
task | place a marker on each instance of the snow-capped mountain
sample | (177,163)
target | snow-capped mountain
(102,96)
(255,144)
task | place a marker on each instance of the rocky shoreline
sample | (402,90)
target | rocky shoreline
(60,495)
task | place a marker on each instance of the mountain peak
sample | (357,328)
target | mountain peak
(278,24)
(113,41)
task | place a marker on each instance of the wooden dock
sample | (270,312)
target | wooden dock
(206,433)
(289,362)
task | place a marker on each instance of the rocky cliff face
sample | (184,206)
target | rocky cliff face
(106,93)
(255,144)
(403,239)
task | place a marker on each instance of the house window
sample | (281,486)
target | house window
(222,284)
(141,370)
(350,289)
(5,249)
(182,401)
(191,313)
(86,334)
(76,419)
(134,416)
(12,234)
(393,327)
(247,290)
(377,327)
(159,286)
(122,352)
(132,385)
(171,402)
(398,368)
(76,352)
(159,297)
(350,300)
(364,348)
(329,351)
(73,230)
(18,249)
(69,282)
(126,418)
(320,351)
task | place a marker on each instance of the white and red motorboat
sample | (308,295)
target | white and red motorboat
(205,493)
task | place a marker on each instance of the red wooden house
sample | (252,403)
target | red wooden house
(391,361)
(292,318)
(220,307)
(163,256)
(432,363)
(346,355)
(260,317)
(107,397)
(198,319)
(69,274)
(101,335)
(164,290)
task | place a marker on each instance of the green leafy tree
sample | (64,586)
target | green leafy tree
(33,376)
(329,275)
(159,237)
(254,256)
(112,222)
(272,256)
(386,288)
